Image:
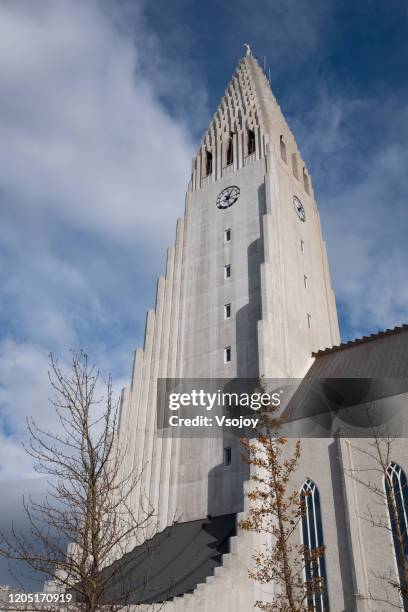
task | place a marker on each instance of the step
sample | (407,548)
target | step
(200,586)
(218,571)
(233,545)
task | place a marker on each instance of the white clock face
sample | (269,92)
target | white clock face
(228,197)
(300,211)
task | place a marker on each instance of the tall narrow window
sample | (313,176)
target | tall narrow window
(227,311)
(227,354)
(295,166)
(283,150)
(208,163)
(396,488)
(227,455)
(227,235)
(302,246)
(306,181)
(227,271)
(230,150)
(305,280)
(309,320)
(251,142)
(312,540)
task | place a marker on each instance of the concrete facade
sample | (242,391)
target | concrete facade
(282,310)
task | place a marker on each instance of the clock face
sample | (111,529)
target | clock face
(299,208)
(228,197)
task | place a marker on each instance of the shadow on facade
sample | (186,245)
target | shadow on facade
(342,528)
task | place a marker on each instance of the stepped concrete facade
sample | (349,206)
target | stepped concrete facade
(250,241)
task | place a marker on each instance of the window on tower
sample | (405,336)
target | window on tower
(227,235)
(227,311)
(305,280)
(227,455)
(208,163)
(251,142)
(227,271)
(309,320)
(230,150)
(227,354)
(283,150)
(312,540)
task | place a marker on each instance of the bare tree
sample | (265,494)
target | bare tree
(386,509)
(275,511)
(89,501)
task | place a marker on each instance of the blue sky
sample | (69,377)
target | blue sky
(96,97)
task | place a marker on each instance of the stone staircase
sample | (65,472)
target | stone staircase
(229,589)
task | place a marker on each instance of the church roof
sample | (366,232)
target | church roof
(370,338)
(344,380)
(380,355)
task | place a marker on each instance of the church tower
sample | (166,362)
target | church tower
(246,294)
(253,240)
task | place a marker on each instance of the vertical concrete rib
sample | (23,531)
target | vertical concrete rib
(151,395)
(162,373)
(164,489)
(136,440)
(140,451)
(175,363)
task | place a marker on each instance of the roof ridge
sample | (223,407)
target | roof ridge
(362,340)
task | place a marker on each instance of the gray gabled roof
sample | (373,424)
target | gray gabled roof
(381,355)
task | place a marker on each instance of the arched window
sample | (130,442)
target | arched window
(312,540)
(251,142)
(396,488)
(230,150)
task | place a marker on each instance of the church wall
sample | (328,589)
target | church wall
(372,547)
(320,463)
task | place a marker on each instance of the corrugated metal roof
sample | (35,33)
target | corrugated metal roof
(363,340)
(382,355)
(354,376)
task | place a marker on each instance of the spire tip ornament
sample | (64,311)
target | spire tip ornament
(247,49)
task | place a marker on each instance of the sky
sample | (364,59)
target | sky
(102,106)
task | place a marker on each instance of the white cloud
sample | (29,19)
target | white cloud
(362,186)
(93,172)
(24,391)
(83,135)
(367,228)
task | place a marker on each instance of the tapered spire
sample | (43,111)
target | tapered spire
(247,125)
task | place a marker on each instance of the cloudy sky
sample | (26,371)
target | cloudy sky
(102,104)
